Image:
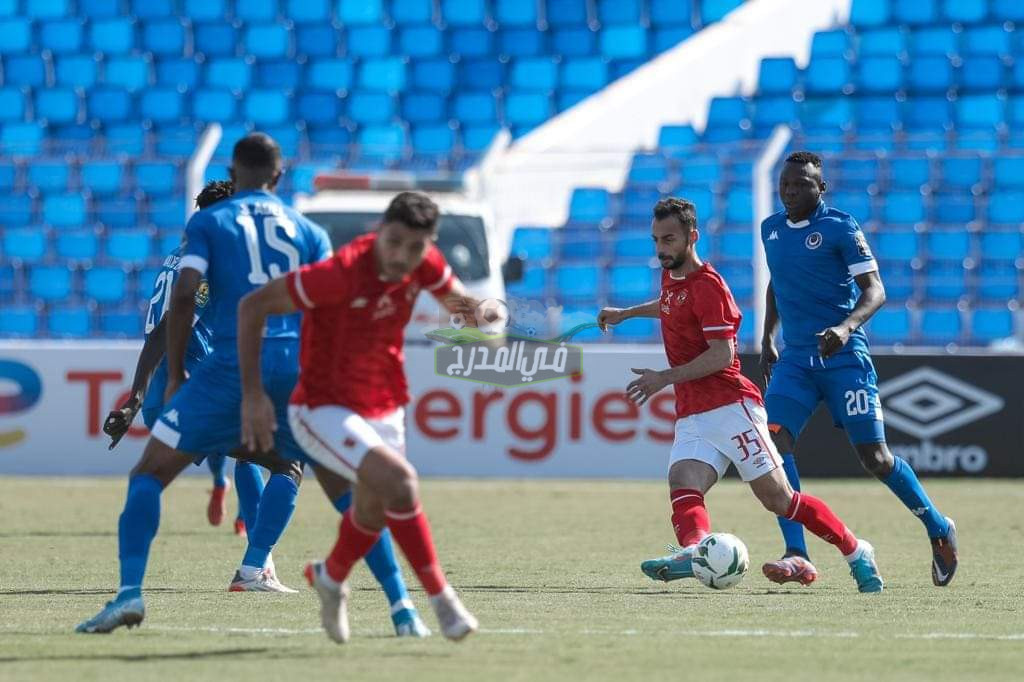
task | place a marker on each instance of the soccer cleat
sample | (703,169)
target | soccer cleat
(456,621)
(216,508)
(864,569)
(790,569)
(944,557)
(408,623)
(676,565)
(333,602)
(264,581)
(240,530)
(116,613)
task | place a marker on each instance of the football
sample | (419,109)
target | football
(720,561)
(492,316)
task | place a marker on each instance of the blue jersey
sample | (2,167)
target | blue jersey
(240,244)
(813,264)
(199,344)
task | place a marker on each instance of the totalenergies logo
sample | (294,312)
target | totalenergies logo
(20,389)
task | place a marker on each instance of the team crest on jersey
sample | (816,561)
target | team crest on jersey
(813,240)
(862,244)
(665,303)
(681,297)
(203,294)
(385,307)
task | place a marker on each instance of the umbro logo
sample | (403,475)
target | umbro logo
(172,417)
(349,443)
(773,236)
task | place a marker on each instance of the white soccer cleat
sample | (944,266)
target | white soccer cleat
(264,581)
(456,621)
(333,602)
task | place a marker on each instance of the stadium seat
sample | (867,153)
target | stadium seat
(623,42)
(739,276)
(998,280)
(961,172)
(945,280)
(957,209)
(526,108)
(19,321)
(1008,10)
(916,11)
(167,212)
(898,244)
(121,322)
(739,206)
(881,42)
(461,12)
(577,283)
(76,71)
(589,205)
(64,210)
(903,208)
(309,11)
(24,244)
(619,11)
(162,105)
(266,107)
(421,41)
(106,284)
(330,75)
(112,36)
(56,105)
(831,114)
(77,245)
(632,244)
(12,104)
(669,37)
(49,175)
(579,242)
(930,74)
(889,326)
(385,142)
(316,40)
(676,139)
(772,111)
(175,140)
(371,107)
(981,73)
(16,210)
(109,106)
(1006,208)
(912,172)
(434,75)
(648,169)
(411,11)
(533,285)
(217,39)
(267,41)
(471,42)
(61,36)
(255,10)
(117,212)
(214,105)
(715,10)
(521,42)
(8,281)
(1002,244)
(69,321)
(534,74)
(881,74)
(632,284)
(533,244)
(482,74)
(574,42)
(156,177)
(369,41)
(204,10)
(735,243)
(980,111)
(826,75)
(318,108)
(49,283)
(433,140)
(279,74)
(383,75)
(778,76)
(991,324)
(164,37)
(941,326)
(129,247)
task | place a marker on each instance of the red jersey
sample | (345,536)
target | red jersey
(353,327)
(695,309)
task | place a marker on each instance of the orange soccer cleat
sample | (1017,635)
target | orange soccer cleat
(217,508)
(790,569)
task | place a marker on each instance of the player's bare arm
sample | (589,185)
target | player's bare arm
(872,296)
(718,356)
(458,301)
(258,420)
(769,351)
(179,327)
(120,420)
(613,316)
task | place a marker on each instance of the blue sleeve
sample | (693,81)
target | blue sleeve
(196,254)
(854,249)
(320,243)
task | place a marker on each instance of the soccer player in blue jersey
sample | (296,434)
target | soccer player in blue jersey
(237,245)
(147,392)
(818,259)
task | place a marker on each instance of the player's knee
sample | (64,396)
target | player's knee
(875,459)
(777,501)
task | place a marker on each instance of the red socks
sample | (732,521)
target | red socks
(411,531)
(816,517)
(352,545)
(689,516)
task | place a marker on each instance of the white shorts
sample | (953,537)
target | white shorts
(736,433)
(338,438)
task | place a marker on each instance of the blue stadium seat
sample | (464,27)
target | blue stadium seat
(577,282)
(941,325)
(46,9)
(1008,10)
(165,37)
(930,74)
(433,140)
(279,74)
(856,203)
(889,326)
(618,11)
(993,40)
(167,241)
(25,244)
(316,40)
(1008,171)
(19,320)
(384,75)
(676,139)
(521,42)
(532,243)
(256,10)
(69,321)
(882,74)
(945,280)
(112,36)
(64,210)
(214,105)
(535,74)
(130,247)
(903,208)
(954,209)
(482,74)
(772,111)
(56,105)
(424,107)
(434,75)
(471,42)
(75,71)
(117,212)
(24,70)
(735,242)
(980,111)
(998,280)
(120,322)
(421,41)
(168,212)
(9,174)
(926,113)
(63,36)
(204,10)
(701,169)
(371,107)
(961,172)
(648,169)
(898,244)
(636,202)
(412,11)
(16,210)
(533,285)
(216,39)
(462,12)
(991,324)
(309,11)
(106,284)
(702,198)
(153,9)
(623,42)
(477,138)
(574,42)
(386,142)
(633,330)
(329,140)
(982,73)
(102,177)
(8,282)
(108,106)
(778,75)
(633,243)
(267,41)
(77,245)
(15,35)
(567,12)
(933,40)
(1002,244)
(856,173)
(176,141)
(739,276)
(318,108)
(156,177)
(739,206)
(589,205)
(579,242)
(670,12)
(1006,208)
(526,108)
(881,42)
(49,175)
(715,10)
(826,114)
(369,41)
(266,107)
(833,43)
(666,38)
(964,11)
(329,75)
(632,284)
(49,283)
(916,11)
(162,105)
(12,104)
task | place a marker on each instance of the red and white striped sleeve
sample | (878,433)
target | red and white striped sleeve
(318,284)
(435,275)
(715,308)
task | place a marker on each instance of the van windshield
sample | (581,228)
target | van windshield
(461,238)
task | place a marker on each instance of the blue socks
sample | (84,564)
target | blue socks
(249,486)
(903,482)
(383,565)
(216,464)
(792,532)
(275,511)
(135,531)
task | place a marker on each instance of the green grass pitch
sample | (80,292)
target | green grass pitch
(551,568)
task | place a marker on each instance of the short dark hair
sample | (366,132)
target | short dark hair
(804,158)
(414,210)
(257,151)
(214,191)
(684,211)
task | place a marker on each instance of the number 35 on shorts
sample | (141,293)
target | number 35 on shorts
(861,402)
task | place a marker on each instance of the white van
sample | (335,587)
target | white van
(348,205)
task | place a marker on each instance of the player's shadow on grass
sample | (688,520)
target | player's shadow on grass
(140,658)
(102,591)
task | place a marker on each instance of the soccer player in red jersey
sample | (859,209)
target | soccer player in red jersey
(720,417)
(347,408)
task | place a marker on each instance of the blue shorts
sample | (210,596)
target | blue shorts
(203,417)
(153,403)
(846,382)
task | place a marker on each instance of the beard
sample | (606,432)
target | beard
(672,263)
